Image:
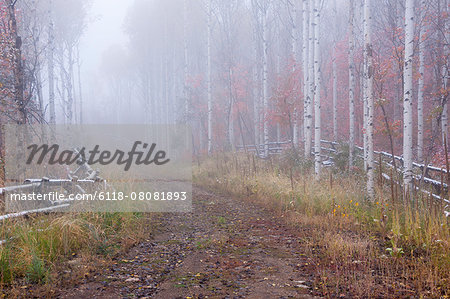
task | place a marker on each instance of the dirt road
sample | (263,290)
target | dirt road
(225,248)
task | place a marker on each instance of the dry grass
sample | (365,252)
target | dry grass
(358,247)
(40,249)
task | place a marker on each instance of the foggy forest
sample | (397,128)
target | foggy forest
(313,153)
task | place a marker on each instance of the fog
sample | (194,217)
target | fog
(105,29)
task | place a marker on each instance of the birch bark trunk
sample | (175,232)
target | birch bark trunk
(445,78)
(309,103)
(265,84)
(186,61)
(51,65)
(369,97)
(317,90)
(420,96)
(70,98)
(294,69)
(351,90)
(335,95)
(209,11)
(408,93)
(305,57)
(80,90)
(364,83)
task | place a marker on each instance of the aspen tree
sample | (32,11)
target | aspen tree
(351,89)
(317,90)
(408,93)
(368,75)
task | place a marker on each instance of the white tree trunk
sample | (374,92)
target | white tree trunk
(186,61)
(231,112)
(63,87)
(365,119)
(70,98)
(278,132)
(305,57)
(420,96)
(208,3)
(351,89)
(80,90)
(231,128)
(51,64)
(265,30)
(317,90)
(309,103)
(294,68)
(364,84)
(166,79)
(445,78)
(335,94)
(256,77)
(369,97)
(408,93)
(256,101)
(444,117)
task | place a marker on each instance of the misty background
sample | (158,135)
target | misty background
(239,72)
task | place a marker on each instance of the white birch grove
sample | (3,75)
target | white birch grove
(408,94)
(368,75)
(317,91)
(255,97)
(351,89)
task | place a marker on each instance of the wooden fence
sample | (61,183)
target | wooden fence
(79,181)
(274,148)
(429,179)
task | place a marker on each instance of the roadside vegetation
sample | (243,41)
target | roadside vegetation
(60,248)
(381,247)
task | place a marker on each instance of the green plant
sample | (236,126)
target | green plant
(221,220)
(6,273)
(37,272)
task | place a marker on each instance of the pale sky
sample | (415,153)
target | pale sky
(104,29)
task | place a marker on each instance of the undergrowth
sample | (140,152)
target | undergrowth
(38,248)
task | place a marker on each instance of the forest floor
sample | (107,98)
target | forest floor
(225,248)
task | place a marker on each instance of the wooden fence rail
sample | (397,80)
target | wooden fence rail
(79,181)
